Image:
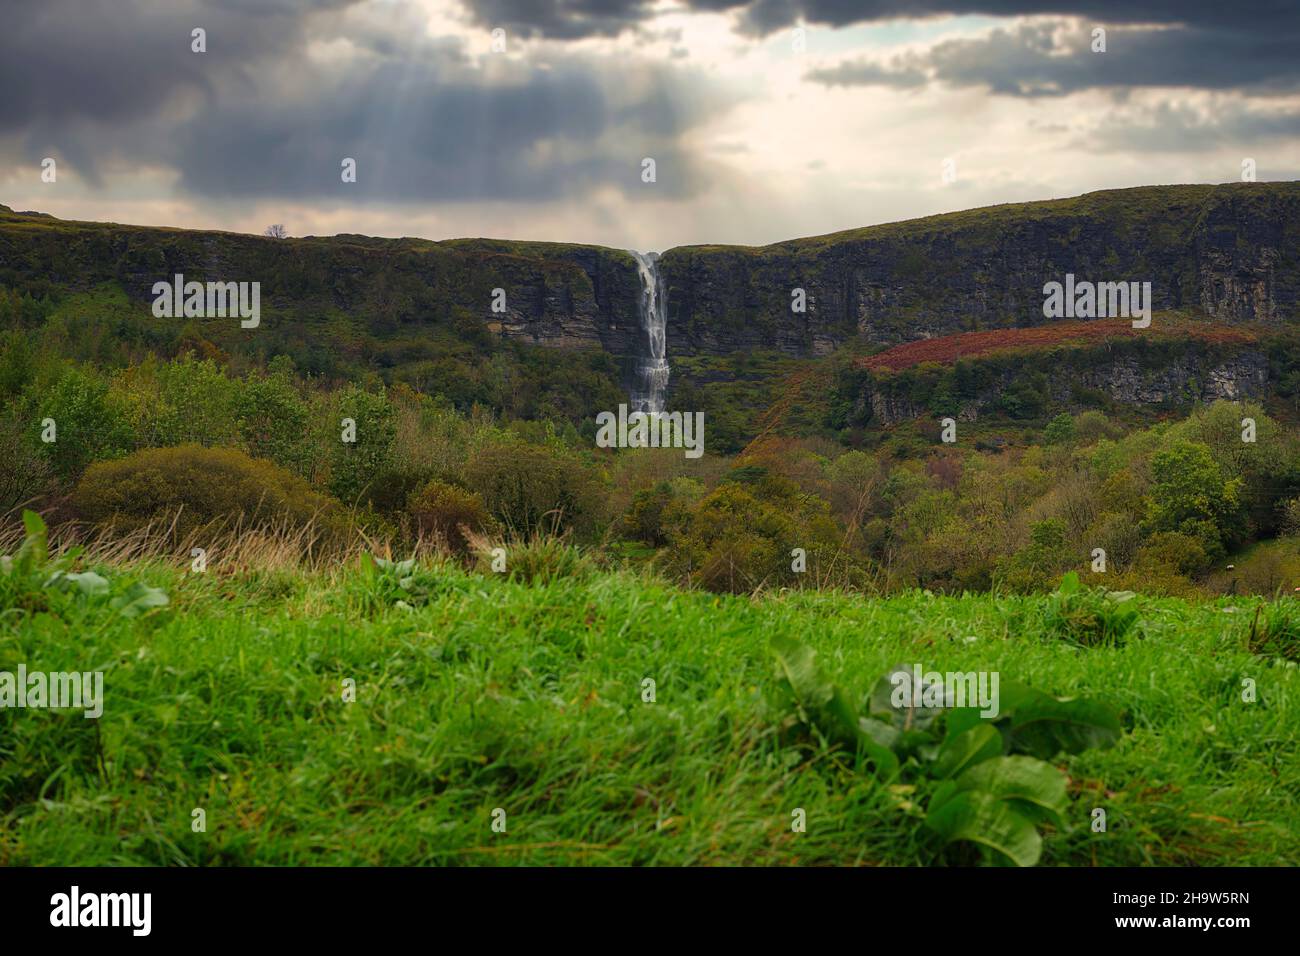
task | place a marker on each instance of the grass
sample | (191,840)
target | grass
(485,693)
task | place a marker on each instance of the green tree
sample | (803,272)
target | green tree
(272,420)
(89,423)
(196,404)
(1060,430)
(1190,493)
(368,418)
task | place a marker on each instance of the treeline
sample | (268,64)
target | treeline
(188,441)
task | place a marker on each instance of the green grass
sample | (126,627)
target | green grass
(494,694)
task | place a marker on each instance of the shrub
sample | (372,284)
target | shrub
(533,488)
(656,512)
(1060,430)
(445,512)
(202,484)
(355,465)
(25,473)
(89,423)
(741,537)
(1048,553)
(1191,493)
(1183,553)
(272,420)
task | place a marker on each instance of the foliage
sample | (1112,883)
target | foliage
(534,489)
(539,559)
(445,512)
(357,460)
(273,421)
(1190,492)
(1060,430)
(985,778)
(32,579)
(1089,616)
(192,486)
(89,424)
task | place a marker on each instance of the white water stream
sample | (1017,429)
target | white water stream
(651,381)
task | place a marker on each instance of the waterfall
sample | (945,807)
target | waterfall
(651,376)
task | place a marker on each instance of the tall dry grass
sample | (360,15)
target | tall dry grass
(229,544)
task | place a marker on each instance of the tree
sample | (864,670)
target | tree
(276,231)
(1060,430)
(89,423)
(363,427)
(272,420)
(1191,494)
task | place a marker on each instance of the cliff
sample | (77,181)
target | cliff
(1229,251)
(1225,253)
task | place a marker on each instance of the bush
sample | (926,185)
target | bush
(656,512)
(356,465)
(25,473)
(89,423)
(1060,430)
(203,484)
(741,538)
(445,512)
(1180,552)
(532,488)
(273,420)
(1048,553)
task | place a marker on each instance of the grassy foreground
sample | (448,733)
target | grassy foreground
(485,693)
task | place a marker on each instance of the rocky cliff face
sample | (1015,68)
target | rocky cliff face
(1177,379)
(1228,250)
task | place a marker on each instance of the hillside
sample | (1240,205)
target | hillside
(1227,250)
(420,312)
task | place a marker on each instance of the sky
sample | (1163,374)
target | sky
(533,119)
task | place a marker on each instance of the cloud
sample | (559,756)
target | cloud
(561,19)
(1055,58)
(1182,127)
(288,89)
(436,131)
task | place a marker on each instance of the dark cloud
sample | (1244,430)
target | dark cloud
(560,19)
(765,16)
(567,19)
(1051,59)
(540,134)
(868,73)
(115,61)
(117,86)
